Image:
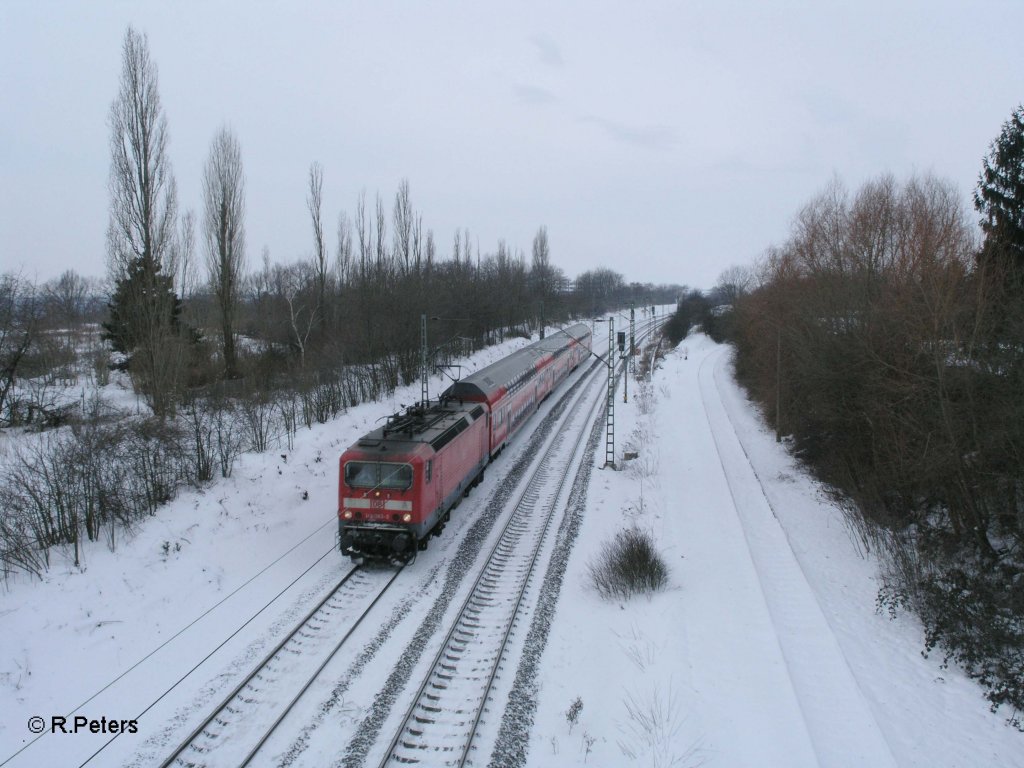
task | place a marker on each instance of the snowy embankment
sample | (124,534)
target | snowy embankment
(107,640)
(765,650)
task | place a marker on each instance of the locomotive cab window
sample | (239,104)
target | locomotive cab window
(395,476)
(373,474)
(429,470)
(361,474)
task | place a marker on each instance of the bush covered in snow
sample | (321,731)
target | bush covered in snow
(628,565)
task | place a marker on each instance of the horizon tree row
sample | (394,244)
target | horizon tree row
(314,315)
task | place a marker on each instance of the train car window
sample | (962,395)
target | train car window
(361,474)
(430,469)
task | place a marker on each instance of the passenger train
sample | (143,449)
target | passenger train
(398,484)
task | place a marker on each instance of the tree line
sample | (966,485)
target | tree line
(230,355)
(313,316)
(886,339)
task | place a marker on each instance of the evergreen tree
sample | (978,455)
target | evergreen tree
(999,198)
(143,299)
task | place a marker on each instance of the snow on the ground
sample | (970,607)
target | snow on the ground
(765,649)
(206,563)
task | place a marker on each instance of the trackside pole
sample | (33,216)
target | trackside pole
(609,441)
(632,340)
(424,375)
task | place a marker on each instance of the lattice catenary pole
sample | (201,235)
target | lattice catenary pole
(609,443)
(424,390)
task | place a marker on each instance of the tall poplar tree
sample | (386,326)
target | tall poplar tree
(143,211)
(224,221)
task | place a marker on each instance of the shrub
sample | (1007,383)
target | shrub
(976,617)
(628,565)
(572,715)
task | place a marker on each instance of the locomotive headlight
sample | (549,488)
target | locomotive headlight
(347,514)
(407,517)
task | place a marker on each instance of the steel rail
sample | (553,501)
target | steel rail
(487,575)
(316,674)
(193,737)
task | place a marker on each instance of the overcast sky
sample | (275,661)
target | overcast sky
(666,141)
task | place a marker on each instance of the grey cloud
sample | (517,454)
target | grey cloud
(531,94)
(548,50)
(655,137)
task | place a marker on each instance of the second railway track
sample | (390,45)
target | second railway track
(238,727)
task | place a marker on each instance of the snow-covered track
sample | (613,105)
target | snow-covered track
(448,709)
(238,727)
(823,683)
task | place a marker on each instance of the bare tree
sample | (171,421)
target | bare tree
(462,247)
(417,243)
(382,233)
(143,207)
(314,202)
(66,297)
(343,259)
(185,255)
(402,217)
(143,196)
(365,235)
(18,329)
(224,221)
(457,246)
(429,251)
(542,272)
(734,282)
(294,286)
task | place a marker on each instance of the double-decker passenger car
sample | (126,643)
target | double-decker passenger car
(399,483)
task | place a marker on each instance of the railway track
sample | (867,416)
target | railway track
(237,728)
(455,695)
(448,709)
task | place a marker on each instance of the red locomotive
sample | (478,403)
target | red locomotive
(399,483)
